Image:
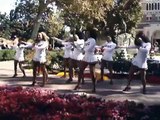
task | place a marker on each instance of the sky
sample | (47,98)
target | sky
(6,5)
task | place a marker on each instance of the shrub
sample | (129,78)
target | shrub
(17,103)
(7,54)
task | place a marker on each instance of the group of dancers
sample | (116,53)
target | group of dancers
(80,53)
(40,47)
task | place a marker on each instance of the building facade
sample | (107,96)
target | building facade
(150,23)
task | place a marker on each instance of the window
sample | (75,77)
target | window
(155,6)
(152,6)
(147,7)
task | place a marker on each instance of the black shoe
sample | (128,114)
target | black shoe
(15,75)
(127,88)
(24,76)
(77,87)
(33,84)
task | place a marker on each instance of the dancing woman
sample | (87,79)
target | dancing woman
(88,59)
(19,55)
(106,61)
(76,56)
(67,43)
(39,59)
(139,62)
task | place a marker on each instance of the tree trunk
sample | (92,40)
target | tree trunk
(36,26)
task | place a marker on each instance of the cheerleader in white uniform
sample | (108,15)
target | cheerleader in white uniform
(76,56)
(39,58)
(67,51)
(107,58)
(19,56)
(88,59)
(139,62)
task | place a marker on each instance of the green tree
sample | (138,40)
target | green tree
(82,13)
(33,14)
(123,17)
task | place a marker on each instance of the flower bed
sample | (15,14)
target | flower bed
(17,103)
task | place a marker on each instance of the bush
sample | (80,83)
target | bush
(7,54)
(19,103)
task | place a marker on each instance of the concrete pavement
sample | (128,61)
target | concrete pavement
(104,89)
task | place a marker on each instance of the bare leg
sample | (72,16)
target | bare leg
(15,68)
(82,67)
(110,72)
(78,70)
(38,71)
(35,65)
(143,79)
(22,69)
(92,71)
(64,71)
(45,74)
(131,73)
(70,71)
(102,70)
(66,60)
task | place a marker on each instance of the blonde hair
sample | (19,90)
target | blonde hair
(44,36)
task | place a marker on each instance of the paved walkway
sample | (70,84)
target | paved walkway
(104,89)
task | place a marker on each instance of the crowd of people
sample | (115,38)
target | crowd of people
(79,53)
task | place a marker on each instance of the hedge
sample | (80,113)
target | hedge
(7,54)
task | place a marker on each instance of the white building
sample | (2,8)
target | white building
(150,23)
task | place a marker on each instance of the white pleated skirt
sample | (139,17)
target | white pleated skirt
(90,58)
